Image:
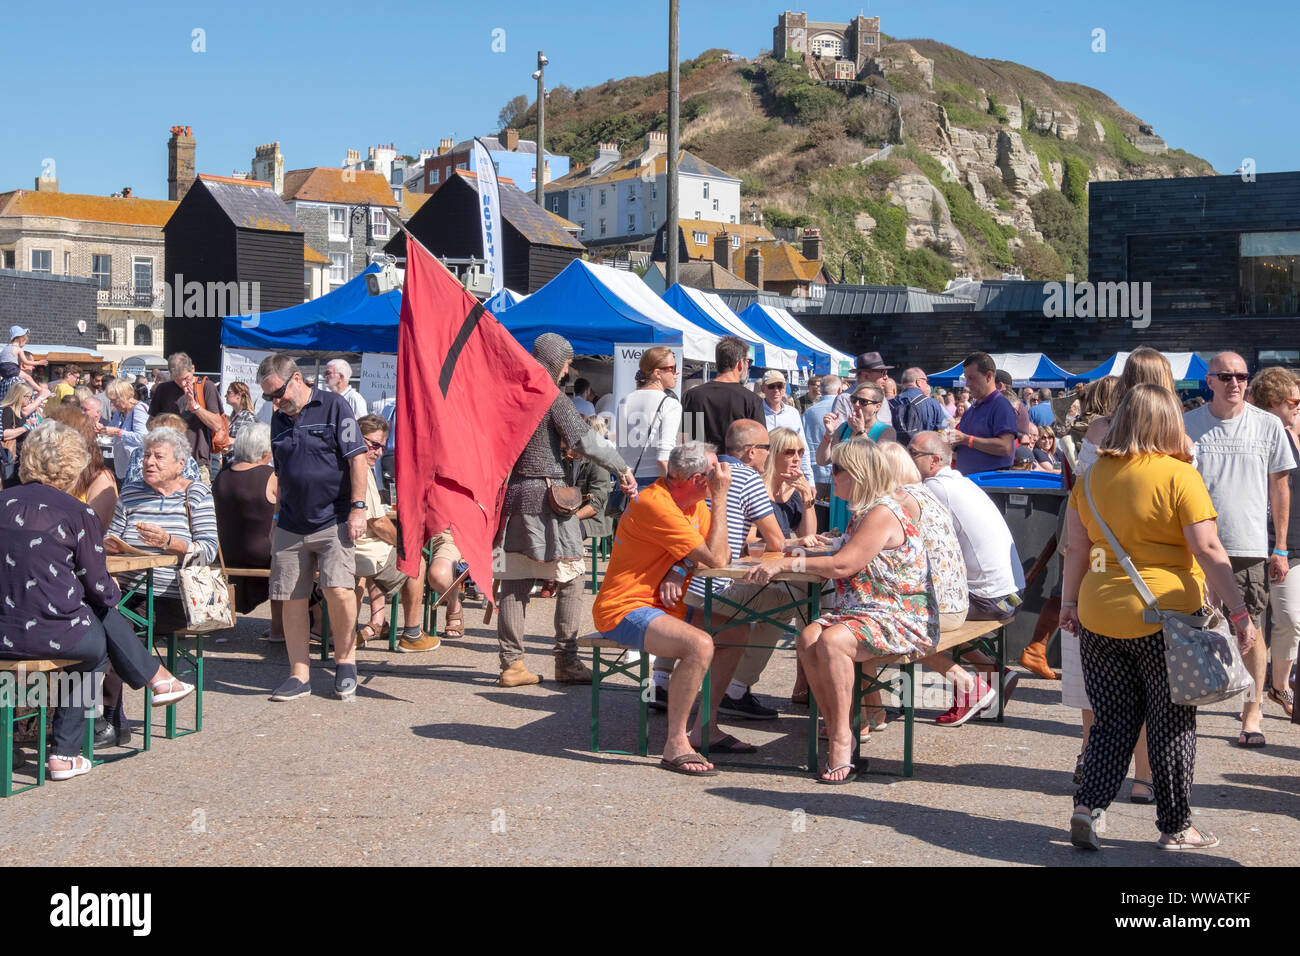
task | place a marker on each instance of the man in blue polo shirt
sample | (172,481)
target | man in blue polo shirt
(987,438)
(320,464)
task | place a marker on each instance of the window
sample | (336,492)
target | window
(555,204)
(338,267)
(434,176)
(42,260)
(143,334)
(582,200)
(464,166)
(338,223)
(306,284)
(379,224)
(653,223)
(602,227)
(654,190)
(1287,357)
(142,275)
(101,271)
(735,240)
(602,197)
(700,238)
(1270,273)
(706,192)
(103,334)
(631,193)
(697,214)
(67,263)
(631,224)
(732,219)
(8,260)
(715,205)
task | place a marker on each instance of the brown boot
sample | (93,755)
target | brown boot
(517,675)
(571,671)
(1034,660)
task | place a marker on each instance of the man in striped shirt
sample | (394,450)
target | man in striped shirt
(748,506)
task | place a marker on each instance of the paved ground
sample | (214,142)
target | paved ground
(433,763)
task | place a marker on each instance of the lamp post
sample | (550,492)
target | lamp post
(862,265)
(753,212)
(674,95)
(540,76)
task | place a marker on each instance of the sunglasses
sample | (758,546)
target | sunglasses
(836,469)
(373,445)
(775,385)
(1293,402)
(1232,376)
(672,369)
(915,453)
(864,401)
(276,395)
(762,447)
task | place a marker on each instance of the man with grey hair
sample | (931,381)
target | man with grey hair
(198,405)
(320,464)
(814,429)
(337,378)
(665,534)
(914,396)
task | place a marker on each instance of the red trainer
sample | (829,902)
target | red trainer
(967,704)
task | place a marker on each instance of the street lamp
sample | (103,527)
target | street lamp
(753,211)
(540,76)
(862,265)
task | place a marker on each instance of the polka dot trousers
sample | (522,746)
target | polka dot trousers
(1127,684)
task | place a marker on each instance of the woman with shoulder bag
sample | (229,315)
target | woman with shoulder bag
(1154,503)
(648,421)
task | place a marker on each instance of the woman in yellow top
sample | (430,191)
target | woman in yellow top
(1160,512)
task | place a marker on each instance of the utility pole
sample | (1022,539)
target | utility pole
(674,93)
(540,77)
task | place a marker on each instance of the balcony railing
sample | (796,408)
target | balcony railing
(128,297)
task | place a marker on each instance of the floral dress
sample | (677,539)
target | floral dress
(947,566)
(890,605)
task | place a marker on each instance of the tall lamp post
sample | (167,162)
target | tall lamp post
(540,76)
(674,94)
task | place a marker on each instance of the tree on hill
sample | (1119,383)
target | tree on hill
(512,111)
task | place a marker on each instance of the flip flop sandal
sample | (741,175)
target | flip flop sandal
(170,696)
(361,634)
(79,766)
(1283,698)
(730,745)
(455,626)
(679,765)
(850,777)
(1250,738)
(1146,799)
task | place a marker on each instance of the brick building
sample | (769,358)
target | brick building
(339,211)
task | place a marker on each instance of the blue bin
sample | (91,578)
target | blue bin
(1017,479)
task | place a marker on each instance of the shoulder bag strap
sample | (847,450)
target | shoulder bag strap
(649,434)
(1125,561)
(189,520)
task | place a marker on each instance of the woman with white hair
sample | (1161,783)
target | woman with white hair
(245,496)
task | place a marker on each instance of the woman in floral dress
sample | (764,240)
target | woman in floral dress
(887,605)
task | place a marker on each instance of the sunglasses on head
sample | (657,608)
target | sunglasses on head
(276,395)
(1232,376)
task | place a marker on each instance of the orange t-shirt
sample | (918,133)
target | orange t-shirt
(652,536)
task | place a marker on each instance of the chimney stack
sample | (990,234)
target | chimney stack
(444,146)
(47,184)
(268,166)
(180,162)
(509,138)
(812,244)
(754,268)
(722,250)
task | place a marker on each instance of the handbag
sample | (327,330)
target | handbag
(565,500)
(209,600)
(1202,658)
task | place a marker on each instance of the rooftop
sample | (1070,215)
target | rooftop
(79,206)
(249,204)
(324,184)
(687,164)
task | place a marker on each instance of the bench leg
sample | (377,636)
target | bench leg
(643,717)
(596,676)
(392,623)
(705,692)
(171,667)
(1001,637)
(7,751)
(909,715)
(812,731)
(325,641)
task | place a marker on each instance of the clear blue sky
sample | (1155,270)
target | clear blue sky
(95,87)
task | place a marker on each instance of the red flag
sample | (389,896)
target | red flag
(468,399)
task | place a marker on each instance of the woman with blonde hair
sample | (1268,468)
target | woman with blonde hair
(793,497)
(1157,508)
(17,418)
(887,606)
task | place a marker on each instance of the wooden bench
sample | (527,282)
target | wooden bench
(988,637)
(9,717)
(600,669)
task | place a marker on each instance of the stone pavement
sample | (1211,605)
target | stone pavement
(435,764)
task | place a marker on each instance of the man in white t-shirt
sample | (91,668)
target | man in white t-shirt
(583,396)
(1243,455)
(337,375)
(779,414)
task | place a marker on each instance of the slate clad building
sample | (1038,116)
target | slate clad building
(232,247)
(536,247)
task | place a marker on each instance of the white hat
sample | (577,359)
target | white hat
(772,376)
(15,331)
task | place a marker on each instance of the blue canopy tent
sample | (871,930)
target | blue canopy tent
(596,307)
(1032,369)
(504,299)
(758,319)
(709,312)
(1189,369)
(348,319)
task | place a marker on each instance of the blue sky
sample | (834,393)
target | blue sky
(95,87)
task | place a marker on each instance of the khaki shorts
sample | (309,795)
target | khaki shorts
(442,546)
(296,558)
(1251,575)
(388,579)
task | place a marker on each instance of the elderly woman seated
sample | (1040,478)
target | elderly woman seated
(135,467)
(245,494)
(166,513)
(887,605)
(58,599)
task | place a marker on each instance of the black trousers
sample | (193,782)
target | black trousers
(1128,685)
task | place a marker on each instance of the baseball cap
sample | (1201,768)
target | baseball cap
(15,331)
(870,360)
(772,376)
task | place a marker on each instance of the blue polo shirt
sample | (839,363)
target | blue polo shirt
(311,452)
(990,417)
(1042,415)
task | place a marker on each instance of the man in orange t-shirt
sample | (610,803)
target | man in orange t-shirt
(663,536)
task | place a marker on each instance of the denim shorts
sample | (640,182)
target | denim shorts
(631,630)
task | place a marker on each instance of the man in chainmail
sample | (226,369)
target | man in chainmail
(535,542)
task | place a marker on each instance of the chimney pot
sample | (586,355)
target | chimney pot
(722,250)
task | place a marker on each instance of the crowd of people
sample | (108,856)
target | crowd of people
(865,484)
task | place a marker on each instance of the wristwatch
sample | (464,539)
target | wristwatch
(358,506)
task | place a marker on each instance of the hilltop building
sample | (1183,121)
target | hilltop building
(856,41)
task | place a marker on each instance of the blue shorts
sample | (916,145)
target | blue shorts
(631,630)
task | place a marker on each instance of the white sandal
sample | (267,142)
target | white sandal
(1182,840)
(170,696)
(79,766)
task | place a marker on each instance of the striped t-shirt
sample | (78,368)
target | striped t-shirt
(140,503)
(747,502)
